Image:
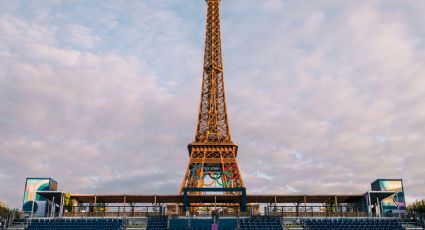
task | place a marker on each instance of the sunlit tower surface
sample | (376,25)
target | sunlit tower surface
(212,155)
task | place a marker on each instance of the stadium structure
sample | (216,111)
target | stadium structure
(212,194)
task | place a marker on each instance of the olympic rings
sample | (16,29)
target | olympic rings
(195,168)
(217,174)
(235,172)
(228,181)
(222,178)
(212,182)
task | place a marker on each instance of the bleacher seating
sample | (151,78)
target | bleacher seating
(157,223)
(227,224)
(252,223)
(76,224)
(261,223)
(201,224)
(352,224)
(196,224)
(178,224)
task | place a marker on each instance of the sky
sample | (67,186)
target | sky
(323,97)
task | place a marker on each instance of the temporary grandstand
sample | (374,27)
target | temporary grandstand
(212,194)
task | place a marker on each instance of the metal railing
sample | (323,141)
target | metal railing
(200,211)
(113,211)
(317,211)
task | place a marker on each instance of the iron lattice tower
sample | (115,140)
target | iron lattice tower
(212,155)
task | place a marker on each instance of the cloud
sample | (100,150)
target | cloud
(323,97)
(69,114)
(330,88)
(82,36)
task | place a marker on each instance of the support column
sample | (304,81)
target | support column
(398,206)
(94,204)
(32,208)
(61,206)
(378,207)
(336,204)
(369,204)
(243,204)
(125,201)
(52,207)
(298,209)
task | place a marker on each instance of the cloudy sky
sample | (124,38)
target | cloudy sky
(323,96)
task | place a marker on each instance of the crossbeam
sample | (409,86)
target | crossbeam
(194,189)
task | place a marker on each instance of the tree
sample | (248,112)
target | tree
(4,210)
(4,213)
(418,209)
(68,202)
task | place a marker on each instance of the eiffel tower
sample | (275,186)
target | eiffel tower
(212,155)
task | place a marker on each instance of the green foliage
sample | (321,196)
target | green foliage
(68,202)
(4,210)
(99,208)
(417,207)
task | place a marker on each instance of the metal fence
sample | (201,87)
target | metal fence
(178,210)
(317,211)
(112,211)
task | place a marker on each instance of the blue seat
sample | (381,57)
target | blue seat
(76,224)
(260,223)
(352,224)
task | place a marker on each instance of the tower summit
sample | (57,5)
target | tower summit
(213,125)
(212,154)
